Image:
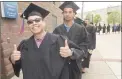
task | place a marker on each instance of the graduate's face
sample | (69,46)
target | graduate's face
(36,24)
(68,14)
(86,21)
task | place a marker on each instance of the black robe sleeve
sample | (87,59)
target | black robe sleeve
(85,41)
(17,65)
(78,53)
(92,38)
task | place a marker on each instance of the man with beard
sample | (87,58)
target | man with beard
(74,32)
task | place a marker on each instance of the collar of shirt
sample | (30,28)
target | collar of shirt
(39,41)
(67,27)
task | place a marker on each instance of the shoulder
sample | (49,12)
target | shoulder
(79,26)
(53,37)
(21,44)
(57,38)
(59,26)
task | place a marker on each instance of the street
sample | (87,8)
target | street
(106,58)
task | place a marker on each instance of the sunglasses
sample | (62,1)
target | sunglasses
(36,20)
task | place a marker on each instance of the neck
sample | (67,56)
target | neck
(40,35)
(69,23)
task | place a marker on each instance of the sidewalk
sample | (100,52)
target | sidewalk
(106,59)
(98,69)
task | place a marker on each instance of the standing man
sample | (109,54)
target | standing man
(108,28)
(43,55)
(92,43)
(73,32)
(104,29)
(118,28)
(99,28)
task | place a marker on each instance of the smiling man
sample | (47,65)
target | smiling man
(43,55)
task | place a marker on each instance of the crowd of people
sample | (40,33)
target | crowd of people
(107,29)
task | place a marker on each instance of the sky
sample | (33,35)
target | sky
(89,6)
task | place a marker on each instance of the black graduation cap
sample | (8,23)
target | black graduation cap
(34,8)
(69,4)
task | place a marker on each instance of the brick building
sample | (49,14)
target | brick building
(9,32)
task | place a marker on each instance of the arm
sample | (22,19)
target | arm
(16,63)
(74,51)
(84,41)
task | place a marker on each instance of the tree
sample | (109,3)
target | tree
(114,17)
(89,17)
(97,18)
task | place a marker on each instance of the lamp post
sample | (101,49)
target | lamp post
(92,18)
(82,10)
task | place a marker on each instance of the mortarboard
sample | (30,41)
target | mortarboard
(34,10)
(69,4)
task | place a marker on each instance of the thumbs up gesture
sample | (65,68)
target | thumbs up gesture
(15,54)
(65,51)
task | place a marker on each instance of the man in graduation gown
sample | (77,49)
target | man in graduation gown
(74,32)
(92,43)
(43,55)
(108,28)
(118,28)
(99,28)
(104,29)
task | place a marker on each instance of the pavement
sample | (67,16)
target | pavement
(106,58)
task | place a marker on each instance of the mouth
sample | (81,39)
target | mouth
(35,27)
(68,17)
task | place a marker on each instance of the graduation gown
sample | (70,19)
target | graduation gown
(92,44)
(108,28)
(44,62)
(78,35)
(99,29)
(104,29)
(91,36)
(118,28)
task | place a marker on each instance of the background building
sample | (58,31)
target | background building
(102,12)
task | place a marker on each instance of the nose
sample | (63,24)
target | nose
(34,22)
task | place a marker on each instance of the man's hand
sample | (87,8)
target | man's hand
(90,51)
(65,51)
(15,54)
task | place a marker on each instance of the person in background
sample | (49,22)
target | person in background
(113,29)
(118,28)
(108,28)
(75,33)
(92,43)
(99,28)
(104,29)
